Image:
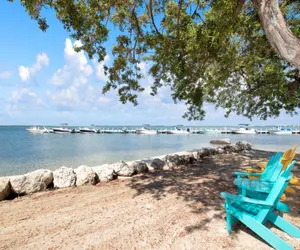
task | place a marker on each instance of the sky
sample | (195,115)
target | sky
(44,81)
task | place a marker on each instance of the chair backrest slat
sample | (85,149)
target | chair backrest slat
(277,190)
(288,156)
(273,168)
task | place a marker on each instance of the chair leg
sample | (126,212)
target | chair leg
(264,233)
(229,221)
(284,225)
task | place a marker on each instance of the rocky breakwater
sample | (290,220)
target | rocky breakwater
(64,177)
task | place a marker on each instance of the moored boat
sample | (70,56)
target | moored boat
(209,131)
(280,131)
(244,129)
(37,130)
(87,130)
(146,131)
(61,130)
(178,131)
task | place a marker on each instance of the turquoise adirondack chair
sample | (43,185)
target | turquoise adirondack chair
(258,188)
(254,213)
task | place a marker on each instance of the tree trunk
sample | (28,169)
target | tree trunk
(277,31)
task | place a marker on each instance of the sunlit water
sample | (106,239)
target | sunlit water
(21,152)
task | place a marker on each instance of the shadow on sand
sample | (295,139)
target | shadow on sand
(200,184)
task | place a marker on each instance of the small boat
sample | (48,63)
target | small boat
(87,130)
(37,130)
(280,131)
(61,130)
(244,129)
(178,131)
(115,131)
(146,131)
(209,131)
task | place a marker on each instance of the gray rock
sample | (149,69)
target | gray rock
(220,150)
(157,164)
(195,155)
(243,145)
(176,160)
(172,161)
(5,189)
(85,176)
(105,173)
(204,152)
(231,149)
(123,169)
(64,177)
(35,181)
(140,167)
(189,158)
(220,141)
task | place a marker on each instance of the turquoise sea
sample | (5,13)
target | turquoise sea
(21,152)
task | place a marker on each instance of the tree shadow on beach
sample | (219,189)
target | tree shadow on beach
(200,184)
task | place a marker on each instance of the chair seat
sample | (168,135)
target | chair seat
(254,184)
(250,209)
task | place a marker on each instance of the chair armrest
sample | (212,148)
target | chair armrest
(245,199)
(251,170)
(246,174)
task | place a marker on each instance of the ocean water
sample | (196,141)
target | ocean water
(22,152)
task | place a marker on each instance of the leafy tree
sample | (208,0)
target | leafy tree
(240,55)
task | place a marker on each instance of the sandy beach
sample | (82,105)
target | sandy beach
(175,209)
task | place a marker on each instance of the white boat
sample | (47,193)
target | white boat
(87,130)
(178,131)
(37,130)
(280,131)
(209,131)
(61,130)
(114,131)
(146,131)
(244,129)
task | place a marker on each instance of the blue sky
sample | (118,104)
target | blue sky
(44,81)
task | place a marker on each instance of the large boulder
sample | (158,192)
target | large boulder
(105,173)
(140,167)
(5,189)
(175,160)
(85,176)
(123,169)
(220,141)
(35,181)
(243,145)
(157,164)
(204,152)
(220,150)
(188,158)
(231,149)
(64,177)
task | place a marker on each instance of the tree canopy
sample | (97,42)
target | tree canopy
(240,55)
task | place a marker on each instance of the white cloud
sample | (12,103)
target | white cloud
(76,68)
(103,99)
(26,73)
(23,99)
(100,75)
(74,92)
(5,74)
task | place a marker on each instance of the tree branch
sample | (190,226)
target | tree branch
(278,33)
(152,18)
(238,8)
